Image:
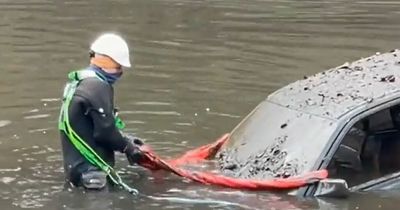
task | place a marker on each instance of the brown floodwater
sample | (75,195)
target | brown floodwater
(199,68)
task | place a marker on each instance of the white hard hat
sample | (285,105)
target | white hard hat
(113,46)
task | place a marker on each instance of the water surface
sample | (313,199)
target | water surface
(199,68)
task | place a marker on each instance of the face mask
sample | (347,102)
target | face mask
(110,77)
(117,74)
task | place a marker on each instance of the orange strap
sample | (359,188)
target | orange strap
(153,162)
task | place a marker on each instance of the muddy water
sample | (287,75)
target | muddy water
(199,67)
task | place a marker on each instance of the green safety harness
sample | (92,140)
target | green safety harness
(86,151)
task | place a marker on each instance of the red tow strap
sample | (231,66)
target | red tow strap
(153,162)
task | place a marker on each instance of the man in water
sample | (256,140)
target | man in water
(88,123)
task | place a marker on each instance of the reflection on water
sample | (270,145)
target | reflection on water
(200,67)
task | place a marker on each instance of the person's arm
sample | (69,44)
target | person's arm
(99,107)
(106,132)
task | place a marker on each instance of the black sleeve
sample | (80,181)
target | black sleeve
(100,108)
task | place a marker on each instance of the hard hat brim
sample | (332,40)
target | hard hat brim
(126,63)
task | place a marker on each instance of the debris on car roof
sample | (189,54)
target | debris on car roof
(334,92)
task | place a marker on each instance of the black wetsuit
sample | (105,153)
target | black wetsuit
(91,116)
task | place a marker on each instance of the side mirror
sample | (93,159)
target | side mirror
(332,188)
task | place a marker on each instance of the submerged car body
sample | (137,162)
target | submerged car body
(343,120)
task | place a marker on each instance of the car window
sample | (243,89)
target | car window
(370,149)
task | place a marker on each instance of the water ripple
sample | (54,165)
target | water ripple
(37,116)
(173,113)
(4,123)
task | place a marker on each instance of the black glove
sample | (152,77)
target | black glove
(133,139)
(132,151)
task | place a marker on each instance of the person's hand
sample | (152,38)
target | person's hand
(135,140)
(132,149)
(138,142)
(133,153)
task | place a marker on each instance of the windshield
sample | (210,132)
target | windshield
(275,141)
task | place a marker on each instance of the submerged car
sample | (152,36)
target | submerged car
(345,120)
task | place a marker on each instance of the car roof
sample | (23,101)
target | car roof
(337,91)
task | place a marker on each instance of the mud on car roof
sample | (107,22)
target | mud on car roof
(337,91)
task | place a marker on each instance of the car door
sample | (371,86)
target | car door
(366,151)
